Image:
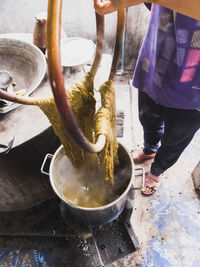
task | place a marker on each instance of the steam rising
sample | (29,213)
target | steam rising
(86,187)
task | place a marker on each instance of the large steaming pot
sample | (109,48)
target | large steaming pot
(91,216)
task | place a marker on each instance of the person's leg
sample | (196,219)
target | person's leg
(180,127)
(151,118)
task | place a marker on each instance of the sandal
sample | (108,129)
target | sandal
(139,156)
(151,184)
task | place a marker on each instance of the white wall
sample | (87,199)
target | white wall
(78,19)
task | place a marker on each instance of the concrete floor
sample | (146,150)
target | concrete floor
(167,225)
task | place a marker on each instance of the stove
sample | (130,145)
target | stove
(41,235)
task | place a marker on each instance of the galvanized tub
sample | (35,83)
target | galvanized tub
(86,215)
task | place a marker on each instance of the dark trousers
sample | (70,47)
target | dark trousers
(167,131)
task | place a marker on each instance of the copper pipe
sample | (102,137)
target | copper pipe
(18,99)
(97,59)
(57,80)
(118,43)
(99,43)
(56,76)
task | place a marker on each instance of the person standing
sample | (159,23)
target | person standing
(167,75)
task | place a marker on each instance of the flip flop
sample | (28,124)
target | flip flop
(151,184)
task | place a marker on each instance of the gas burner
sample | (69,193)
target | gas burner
(112,240)
(45,231)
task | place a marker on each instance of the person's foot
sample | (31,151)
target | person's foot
(139,156)
(151,184)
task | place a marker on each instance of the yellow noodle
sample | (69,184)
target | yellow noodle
(108,156)
(82,101)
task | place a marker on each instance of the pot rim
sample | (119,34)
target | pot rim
(85,208)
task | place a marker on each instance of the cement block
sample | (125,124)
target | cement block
(196,177)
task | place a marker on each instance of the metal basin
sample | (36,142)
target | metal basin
(25,63)
(61,166)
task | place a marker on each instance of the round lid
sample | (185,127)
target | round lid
(76,51)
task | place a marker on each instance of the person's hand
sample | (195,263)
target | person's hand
(105,6)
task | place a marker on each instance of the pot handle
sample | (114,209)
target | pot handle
(143,178)
(48,157)
(5,148)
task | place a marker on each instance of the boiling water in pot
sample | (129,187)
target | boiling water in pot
(87,188)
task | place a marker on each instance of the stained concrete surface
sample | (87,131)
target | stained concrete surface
(39,236)
(167,223)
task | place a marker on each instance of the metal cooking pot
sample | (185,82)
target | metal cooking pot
(92,216)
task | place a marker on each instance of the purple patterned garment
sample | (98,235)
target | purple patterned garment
(168,68)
